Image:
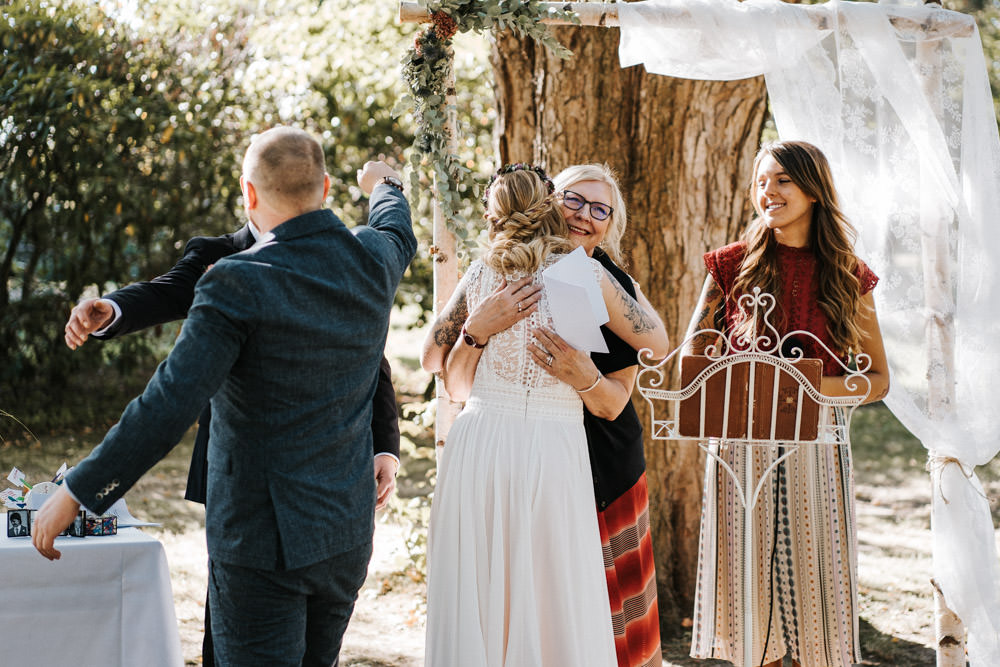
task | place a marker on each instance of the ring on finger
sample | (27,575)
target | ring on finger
(519,308)
(549,359)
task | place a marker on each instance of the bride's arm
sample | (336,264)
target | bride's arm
(445,331)
(507,305)
(635,322)
(460,368)
(445,352)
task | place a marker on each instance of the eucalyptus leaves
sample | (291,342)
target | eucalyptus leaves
(427,71)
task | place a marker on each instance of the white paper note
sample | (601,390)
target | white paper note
(16,477)
(576,302)
(125,518)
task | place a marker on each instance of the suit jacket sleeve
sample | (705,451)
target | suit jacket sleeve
(168,297)
(389,232)
(385,415)
(153,423)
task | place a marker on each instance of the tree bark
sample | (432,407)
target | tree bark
(683,151)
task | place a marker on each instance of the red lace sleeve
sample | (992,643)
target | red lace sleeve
(866,276)
(724,264)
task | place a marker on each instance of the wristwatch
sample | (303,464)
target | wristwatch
(393,182)
(469,340)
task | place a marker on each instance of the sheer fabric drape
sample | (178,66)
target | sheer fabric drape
(896,95)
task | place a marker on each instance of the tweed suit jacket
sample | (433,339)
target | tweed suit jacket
(286,339)
(168,297)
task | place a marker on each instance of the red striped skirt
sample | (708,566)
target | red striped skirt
(628,563)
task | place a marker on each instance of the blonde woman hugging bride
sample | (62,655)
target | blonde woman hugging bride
(515,570)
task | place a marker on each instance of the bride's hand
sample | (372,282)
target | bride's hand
(508,305)
(562,360)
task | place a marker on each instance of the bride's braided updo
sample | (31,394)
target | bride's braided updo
(525,223)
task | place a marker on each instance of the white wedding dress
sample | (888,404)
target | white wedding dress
(515,569)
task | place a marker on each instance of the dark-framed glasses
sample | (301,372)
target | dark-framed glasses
(574,202)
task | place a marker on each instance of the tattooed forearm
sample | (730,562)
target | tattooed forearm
(449,324)
(640,320)
(709,316)
(705,319)
(699,343)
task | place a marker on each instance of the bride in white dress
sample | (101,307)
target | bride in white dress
(515,570)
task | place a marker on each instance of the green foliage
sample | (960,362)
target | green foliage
(427,71)
(988,18)
(115,147)
(333,80)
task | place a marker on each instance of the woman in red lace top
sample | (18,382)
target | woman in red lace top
(799,248)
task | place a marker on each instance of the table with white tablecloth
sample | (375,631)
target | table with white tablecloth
(107,601)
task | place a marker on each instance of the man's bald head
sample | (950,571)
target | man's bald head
(286,166)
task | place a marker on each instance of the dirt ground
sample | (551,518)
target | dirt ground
(387,629)
(388,624)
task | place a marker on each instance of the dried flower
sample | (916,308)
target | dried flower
(444,25)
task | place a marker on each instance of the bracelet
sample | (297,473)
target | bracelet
(392,182)
(584,391)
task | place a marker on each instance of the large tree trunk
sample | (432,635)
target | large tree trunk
(683,151)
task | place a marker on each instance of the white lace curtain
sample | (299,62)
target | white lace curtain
(896,95)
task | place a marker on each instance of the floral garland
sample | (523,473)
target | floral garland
(427,66)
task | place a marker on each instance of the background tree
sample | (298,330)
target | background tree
(683,151)
(106,167)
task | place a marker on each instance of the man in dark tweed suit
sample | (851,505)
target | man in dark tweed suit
(281,337)
(167,298)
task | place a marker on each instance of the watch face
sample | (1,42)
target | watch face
(469,340)
(392,180)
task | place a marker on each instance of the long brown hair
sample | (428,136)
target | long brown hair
(525,223)
(831,238)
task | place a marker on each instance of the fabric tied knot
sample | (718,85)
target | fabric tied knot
(936,464)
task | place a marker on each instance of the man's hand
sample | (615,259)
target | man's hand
(372,174)
(55,516)
(88,316)
(385,479)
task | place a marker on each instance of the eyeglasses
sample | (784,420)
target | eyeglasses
(574,202)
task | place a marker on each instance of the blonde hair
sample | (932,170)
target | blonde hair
(831,238)
(525,224)
(565,180)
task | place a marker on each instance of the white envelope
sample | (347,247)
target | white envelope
(576,302)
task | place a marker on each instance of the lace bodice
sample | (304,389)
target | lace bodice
(507,367)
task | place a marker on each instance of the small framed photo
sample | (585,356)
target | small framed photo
(102,525)
(79,526)
(18,523)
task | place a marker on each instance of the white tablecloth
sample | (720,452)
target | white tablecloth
(107,601)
